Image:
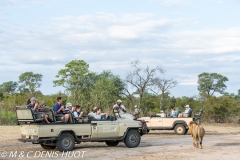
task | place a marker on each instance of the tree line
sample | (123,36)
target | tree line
(151,92)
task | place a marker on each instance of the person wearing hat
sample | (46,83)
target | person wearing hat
(187,111)
(121,109)
(44,116)
(162,114)
(42,105)
(33,104)
(136,111)
(69,107)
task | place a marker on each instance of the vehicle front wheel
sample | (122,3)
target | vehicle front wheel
(66,142)
(112,143)
(180,129)
(48,147)
(132,139)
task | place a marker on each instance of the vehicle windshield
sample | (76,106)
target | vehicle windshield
(123,116)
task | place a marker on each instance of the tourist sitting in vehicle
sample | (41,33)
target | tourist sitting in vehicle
(44,116)
(162,114)
(69,107)
(99,115)
(78,112)
(33,104)
(93,113)
(186,113)
(173,113)
(58,111)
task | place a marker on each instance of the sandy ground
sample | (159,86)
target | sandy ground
(222,141)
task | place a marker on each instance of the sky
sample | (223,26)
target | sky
(184,37)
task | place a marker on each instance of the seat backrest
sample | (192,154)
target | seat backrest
(25,115)
(190,113)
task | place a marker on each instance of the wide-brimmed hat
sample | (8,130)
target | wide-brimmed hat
(119,101)
(187,106)
(44,103)
(161,111)
(69,105)
(33,99)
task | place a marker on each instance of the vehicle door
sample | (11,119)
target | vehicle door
(168,122)
(107,128)
(94,129)
(155,122)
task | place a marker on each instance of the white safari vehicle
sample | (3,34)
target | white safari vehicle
(178,124)
(64,136)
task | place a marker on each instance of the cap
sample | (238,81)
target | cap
(187,106)
(69,105)
(44,103)
(33,99)
(95,108)
(161,111)
(119,101)
(135,106)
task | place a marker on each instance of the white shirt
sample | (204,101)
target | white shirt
(92,114)
(187,110)
(136,111)
(162,114)
(119,110)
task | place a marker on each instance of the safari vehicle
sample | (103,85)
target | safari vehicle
(179,125)
(64,136)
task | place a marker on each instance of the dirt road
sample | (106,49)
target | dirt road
(221,142)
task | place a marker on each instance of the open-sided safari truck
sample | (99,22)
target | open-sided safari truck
(178,124)
(64,136)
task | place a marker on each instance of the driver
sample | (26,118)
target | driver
(121,109)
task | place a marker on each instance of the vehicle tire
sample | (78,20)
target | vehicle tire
(47,147)
(112,143)
(65,142)
(132,138)
(186,131)
(148,130)
(179,129)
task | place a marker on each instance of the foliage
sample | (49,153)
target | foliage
(29,82)
(8,87)
(210,83)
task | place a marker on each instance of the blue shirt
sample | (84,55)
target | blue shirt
(173,113)
(56,107)
(30,106)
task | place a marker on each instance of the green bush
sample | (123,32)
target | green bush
(8,118)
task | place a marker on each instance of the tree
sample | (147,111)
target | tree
(29,82)
(163,85)
(74,77)
(107,89)
(8,87)
(210,83)
(141,79)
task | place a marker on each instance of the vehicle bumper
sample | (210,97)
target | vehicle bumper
(28,138)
